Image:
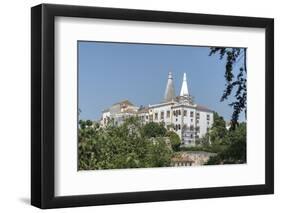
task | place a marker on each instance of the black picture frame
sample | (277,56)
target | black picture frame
(43,102)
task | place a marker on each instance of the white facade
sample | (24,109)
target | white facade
(178,113)
(189,121)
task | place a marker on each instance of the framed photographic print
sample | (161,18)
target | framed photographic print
(139,106)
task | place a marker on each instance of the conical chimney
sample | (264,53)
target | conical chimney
(170,90)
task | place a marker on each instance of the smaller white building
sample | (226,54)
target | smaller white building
(118,112)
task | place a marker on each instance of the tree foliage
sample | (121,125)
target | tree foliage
(235,83)
(235,149)
(134,145)
(174,140)
(214,140)
(153,129)
(129,145)
(230,145)
(218,133)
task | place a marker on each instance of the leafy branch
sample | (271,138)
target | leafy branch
(235,84)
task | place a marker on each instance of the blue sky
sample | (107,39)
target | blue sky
(111,72)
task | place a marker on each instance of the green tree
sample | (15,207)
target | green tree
(215,139)
(218,133)
(235,152)
(235,83)
(123,146)
(159,154)
(174,140)
(153,129)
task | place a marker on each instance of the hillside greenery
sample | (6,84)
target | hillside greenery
(130,145)
(134,145)
(230,145)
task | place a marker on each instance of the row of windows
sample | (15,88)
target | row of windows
(191,128)
(175,113)
(161,116)
(178,112)
(150,117)
(183,164)
(191,136)
(144,117)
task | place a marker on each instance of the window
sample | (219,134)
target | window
(156,116)
(146,117)
(184,113)
(168,114)
(197,115)
(191,135)
(191,114)
(162,115)
(208,117)
(191,127)
(179,126)
(179,112)
(174,113)
(150,117)
(191,120)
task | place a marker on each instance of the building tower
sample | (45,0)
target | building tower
(184,89)
(170,90)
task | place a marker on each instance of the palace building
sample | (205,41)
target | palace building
(177,113)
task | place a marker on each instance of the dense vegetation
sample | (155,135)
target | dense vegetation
(230,145)
(130,145)
(134,145)
(233,150)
